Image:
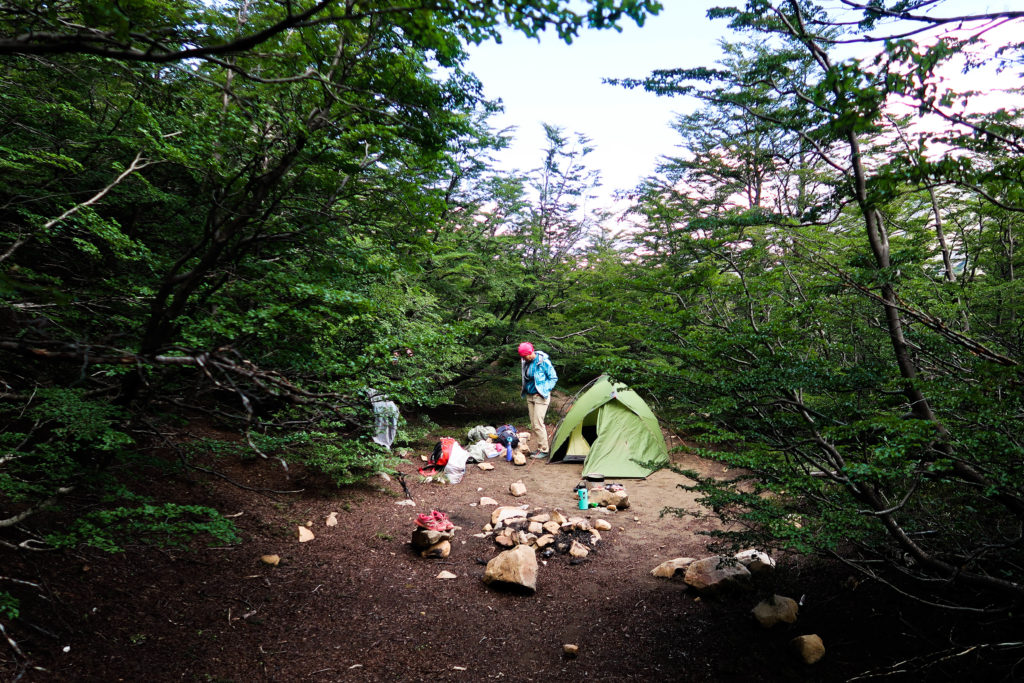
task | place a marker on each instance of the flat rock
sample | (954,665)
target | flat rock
(558,518)
(487,501)
(305,535)
(447,575)
(507,513)
(775,609)
(517,489)
(405,502)
(545,540)
(552,527)
(425,538)
(669,568)
(602,525)
(809,648)
(717,573)
(515,569)
(536,528)
(272,560)
(540,518)
(571,649)
(485,466)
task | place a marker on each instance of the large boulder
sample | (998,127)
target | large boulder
(514,569)
(755,561)
(716,574)
(604,498)
(775,609)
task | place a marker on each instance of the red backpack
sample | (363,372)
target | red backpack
(439,458)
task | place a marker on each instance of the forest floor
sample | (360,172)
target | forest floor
(357,603)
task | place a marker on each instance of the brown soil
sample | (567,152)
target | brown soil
(358,604)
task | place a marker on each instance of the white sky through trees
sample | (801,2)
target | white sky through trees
(549,81)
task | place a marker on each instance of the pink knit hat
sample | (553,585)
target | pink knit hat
(525,349)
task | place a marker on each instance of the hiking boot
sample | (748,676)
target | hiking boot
(538,455)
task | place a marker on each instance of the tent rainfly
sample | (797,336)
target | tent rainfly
(612,431)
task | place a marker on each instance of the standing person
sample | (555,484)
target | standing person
(539,377)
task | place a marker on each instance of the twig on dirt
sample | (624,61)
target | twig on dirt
(919,664)
(401,480)
(13,643)
(235,483)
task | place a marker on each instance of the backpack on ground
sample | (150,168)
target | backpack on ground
(508,436)
(439,457)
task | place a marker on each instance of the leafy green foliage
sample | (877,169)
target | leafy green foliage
(165,525)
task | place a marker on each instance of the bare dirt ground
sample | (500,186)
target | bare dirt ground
(358,604)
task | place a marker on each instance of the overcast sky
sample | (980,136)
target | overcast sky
(549,81)
(561,84)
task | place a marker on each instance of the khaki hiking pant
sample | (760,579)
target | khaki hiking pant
(537,406)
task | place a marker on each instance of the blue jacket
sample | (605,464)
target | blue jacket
(543,375)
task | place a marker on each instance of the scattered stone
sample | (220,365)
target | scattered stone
(423,458)
(506,513)
(670,568)
(775,609)
(332,519)
(438,551)
(595,537)
(571,649)
(515,569)
(717,573)
(487,501)
(272,560)
(305,535)
(505,539)
(447,575)
(577,549)
(517,489)
(485,466)
(612,508)
(518,458)
(536,528)
(405,502)
(558,518)
(545,540)
(541,518)
(756,561)
(426,538)
(602,525)
(384,476)
(809,648)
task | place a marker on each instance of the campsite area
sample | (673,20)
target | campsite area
(357,603)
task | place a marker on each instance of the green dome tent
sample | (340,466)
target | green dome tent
(612,431)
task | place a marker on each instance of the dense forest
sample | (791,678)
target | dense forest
(258,210)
